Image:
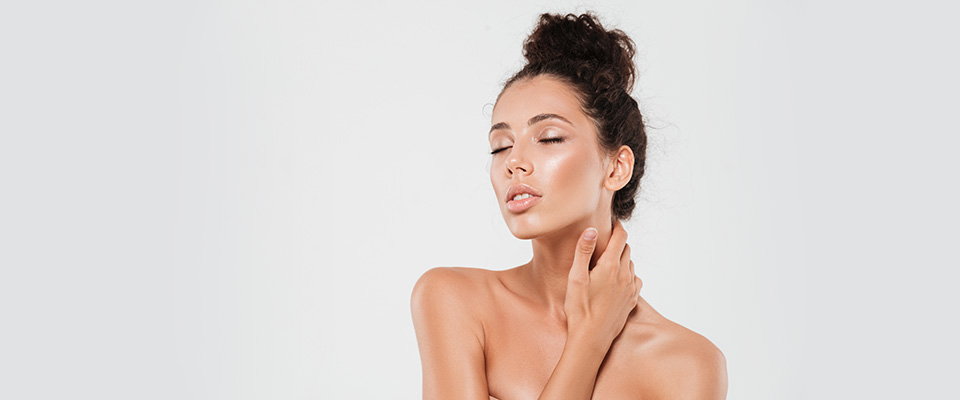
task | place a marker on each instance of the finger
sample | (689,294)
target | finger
(639,283)
(580,270)
(624,266)
(618,239)
(632,271)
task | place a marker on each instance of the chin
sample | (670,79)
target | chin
(525,234)
(523,227)
(531,226)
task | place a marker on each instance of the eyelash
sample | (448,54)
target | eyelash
(551,140)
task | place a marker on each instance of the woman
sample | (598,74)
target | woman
(568,149)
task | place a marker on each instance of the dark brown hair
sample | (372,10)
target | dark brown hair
(598,65)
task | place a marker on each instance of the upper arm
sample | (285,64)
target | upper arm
(449,336)
(694,370)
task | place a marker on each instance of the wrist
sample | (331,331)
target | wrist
(587,344)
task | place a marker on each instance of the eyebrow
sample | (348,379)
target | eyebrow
(538,118)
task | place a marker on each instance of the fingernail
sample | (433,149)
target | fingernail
(590,234)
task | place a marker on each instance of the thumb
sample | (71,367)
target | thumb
(580,270)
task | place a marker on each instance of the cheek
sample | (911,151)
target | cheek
(499,183)
(573,171)
(570,168)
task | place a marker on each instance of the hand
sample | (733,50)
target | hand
(598,302)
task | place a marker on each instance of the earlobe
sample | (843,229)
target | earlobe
(622,169)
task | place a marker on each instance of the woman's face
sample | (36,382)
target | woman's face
(550,145)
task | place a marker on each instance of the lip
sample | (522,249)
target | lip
(517,206)
(521,188)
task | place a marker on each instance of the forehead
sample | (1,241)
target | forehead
(535,96)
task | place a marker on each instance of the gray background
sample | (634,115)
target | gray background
(233,200)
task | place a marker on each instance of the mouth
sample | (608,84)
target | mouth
(522,203)
(521,197)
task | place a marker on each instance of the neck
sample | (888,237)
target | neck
(553,255)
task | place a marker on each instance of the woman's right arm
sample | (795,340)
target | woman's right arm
(597,304)
(449,336)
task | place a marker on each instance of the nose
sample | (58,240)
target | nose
(517,162)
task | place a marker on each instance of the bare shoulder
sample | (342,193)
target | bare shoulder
(451,287)
(453,279)
(671,360)
(450,333)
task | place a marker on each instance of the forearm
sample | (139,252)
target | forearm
(576,373)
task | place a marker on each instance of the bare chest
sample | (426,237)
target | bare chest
(522,349)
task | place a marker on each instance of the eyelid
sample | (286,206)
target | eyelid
(558,139)
(494,152)
(552,139)
(553,132)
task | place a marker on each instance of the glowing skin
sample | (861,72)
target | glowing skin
(576,180)
(568,173)
(515,333)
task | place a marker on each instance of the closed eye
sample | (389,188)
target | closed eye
(551,140)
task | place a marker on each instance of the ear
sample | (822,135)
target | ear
(619,169)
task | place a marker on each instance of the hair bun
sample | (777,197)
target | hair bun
(601,57)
